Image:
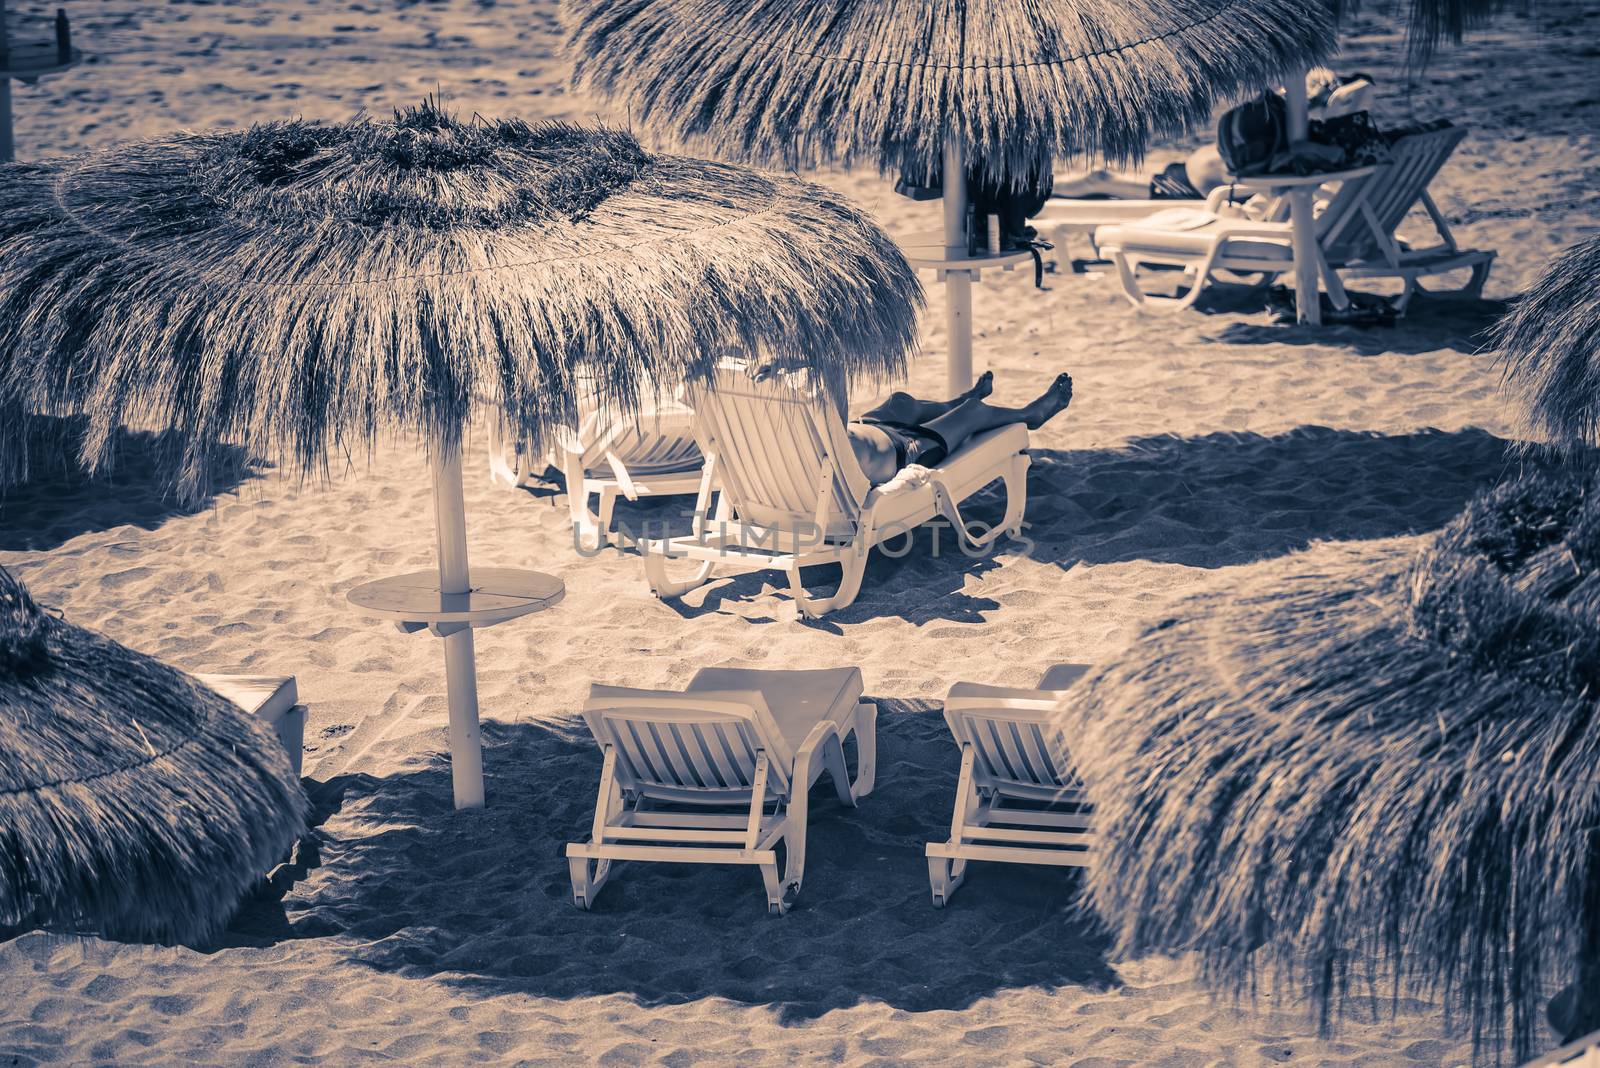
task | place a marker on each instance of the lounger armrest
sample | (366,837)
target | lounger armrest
(975,695)
(805,756)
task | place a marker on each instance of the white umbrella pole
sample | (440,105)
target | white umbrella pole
(1303,233)
(957,284)
(460,667)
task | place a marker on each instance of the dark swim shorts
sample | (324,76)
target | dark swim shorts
(913,444)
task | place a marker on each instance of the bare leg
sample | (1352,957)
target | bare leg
(902,407)
(975,416)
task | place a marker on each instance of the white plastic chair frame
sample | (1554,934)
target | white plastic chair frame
(1016,800)
(794,496)
(711,749)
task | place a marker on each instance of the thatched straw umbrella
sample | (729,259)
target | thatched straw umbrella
(1550,347)
(133,801)
(931,88)
(301,287)
(1367,761)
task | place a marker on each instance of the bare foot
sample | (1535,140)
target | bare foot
(983,387)
(1049,404)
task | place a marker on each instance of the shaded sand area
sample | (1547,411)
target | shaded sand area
(407,933)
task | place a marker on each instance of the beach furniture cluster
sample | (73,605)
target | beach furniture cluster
(609,248)
(1354,234)
(688,776)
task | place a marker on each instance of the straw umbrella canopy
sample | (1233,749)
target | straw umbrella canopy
(1365,765)
(1550,349)
(933,87)
(302,288)
(133,801)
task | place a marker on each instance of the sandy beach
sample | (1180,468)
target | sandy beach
(408,933)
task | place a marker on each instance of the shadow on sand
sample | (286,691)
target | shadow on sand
(1431,323)
(1236,497)
(59,501)
(482,899)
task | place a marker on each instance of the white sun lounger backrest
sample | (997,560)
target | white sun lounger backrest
(1015,746)
(658,438)
(690,747)
(1389,194)
(779,448)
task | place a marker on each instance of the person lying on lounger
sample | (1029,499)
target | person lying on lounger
(1329,96)
(904,430)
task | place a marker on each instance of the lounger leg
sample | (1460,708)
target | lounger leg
(1127,271)
(513,475)
(783,887)
(587,527)
(866,733)
(838,770)
(1480,276)
(655,571)
(852,566)
(1016,494)
(945,876)
(586,883)
(608,507)
(780,896)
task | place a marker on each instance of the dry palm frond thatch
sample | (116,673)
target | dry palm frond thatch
(133,801)
(1550,348)
(880,81)
(1364,761)
(300,286)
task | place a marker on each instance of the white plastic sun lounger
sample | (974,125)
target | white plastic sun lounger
(650,454)
(1017,801)
(793,495)
(1077,215)
(719,773)
(272,697)
(1355,234)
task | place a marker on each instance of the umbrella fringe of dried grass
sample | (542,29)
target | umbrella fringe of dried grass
(1550,352)
(300,288)
(134,802)
(1363,761)
(802,84)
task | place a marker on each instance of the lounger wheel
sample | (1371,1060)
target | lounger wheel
(586,884)
(945,876)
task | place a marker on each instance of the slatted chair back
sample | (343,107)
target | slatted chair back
(1015,746)
(1389,194)
(657,439)
(698,747)
(783,456)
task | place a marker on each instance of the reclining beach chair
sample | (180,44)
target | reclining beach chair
(1074,215)
(273,698)
(649,454)
(1017,801)
(793,495)
(1355,234)
(719,773)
